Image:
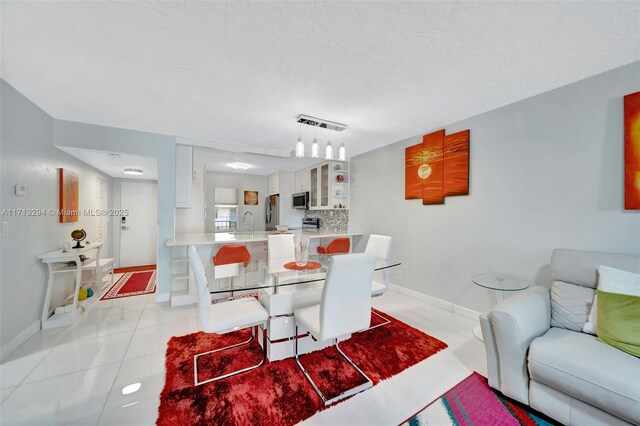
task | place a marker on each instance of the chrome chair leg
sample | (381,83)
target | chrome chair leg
(386,321)
(328,401)
(254,331)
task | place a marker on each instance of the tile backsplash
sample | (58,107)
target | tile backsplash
(331,220)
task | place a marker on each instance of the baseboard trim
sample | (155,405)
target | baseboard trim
(163,297)
(442,304)
(22,337)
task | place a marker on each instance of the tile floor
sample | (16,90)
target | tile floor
(77,376)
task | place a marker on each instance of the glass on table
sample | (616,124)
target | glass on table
(301,249)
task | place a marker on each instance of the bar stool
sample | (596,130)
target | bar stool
(228,259)
(337,246)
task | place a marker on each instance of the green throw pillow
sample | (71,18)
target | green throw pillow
(619,321)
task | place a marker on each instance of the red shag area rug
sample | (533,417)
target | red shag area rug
(132,284)
(277,393)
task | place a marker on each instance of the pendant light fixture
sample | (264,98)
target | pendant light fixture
(342,152)
(329,149)
(315,149)
(300,145)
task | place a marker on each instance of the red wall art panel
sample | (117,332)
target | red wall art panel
(456,164)
(412,182)
(432,170)
(632,151)
(69,185)
(437,167)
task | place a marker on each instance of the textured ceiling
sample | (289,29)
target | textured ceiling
(239,73)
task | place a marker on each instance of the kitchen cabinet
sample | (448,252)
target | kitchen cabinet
(302,181)
(329,186)
(273,185)
(184,176)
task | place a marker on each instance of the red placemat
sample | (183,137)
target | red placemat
(308,266)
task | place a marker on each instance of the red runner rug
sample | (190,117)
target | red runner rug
(132,284)
(277,393)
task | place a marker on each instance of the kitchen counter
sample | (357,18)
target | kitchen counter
(246,237)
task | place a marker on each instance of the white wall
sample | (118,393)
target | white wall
(545,172)
(28,158)
(243,182)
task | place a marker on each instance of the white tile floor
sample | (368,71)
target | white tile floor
(76,376)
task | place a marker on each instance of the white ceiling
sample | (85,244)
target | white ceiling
(114,165)
(240,72)
(221,161)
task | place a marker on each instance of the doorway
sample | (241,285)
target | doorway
(138,229)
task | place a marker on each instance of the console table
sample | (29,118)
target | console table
(58,262)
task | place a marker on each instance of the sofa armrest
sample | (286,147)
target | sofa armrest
(515,322)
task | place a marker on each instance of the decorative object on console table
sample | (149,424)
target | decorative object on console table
(69,188)
(78,235)
(251,198)
(437,167)
(632,151)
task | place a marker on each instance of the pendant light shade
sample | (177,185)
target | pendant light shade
(342,153)
(315,149)
(299,148)
(329,151)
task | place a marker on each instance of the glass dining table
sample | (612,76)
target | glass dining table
(274,275)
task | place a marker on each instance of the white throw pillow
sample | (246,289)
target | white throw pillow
(611,280)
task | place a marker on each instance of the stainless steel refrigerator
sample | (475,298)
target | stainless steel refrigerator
(273,212)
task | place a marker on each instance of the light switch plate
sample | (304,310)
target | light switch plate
(5,229)
(21,190)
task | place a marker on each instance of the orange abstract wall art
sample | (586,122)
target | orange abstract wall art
(632,151)
(69,185)
(438,167)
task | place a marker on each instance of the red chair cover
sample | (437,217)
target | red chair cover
(339,245)
(232,253)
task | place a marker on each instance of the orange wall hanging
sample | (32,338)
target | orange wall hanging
(438,167)
(632,151)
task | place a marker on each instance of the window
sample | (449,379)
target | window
(226,217)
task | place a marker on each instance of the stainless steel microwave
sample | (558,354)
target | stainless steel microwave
(300,200)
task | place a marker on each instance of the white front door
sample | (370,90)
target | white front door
(138,230)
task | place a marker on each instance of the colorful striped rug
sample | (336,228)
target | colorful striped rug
(132,284)
(473,402)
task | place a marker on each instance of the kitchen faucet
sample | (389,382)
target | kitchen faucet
(244,220)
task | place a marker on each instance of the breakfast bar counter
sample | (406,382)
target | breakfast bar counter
(248,237)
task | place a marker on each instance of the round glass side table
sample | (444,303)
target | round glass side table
(501,283)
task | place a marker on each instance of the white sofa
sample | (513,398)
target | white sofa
(537,353)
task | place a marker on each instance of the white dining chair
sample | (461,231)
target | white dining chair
(280,250)
(345,308)
(225,317)
(381,246)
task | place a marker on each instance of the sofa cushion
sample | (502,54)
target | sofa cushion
(587,369)
(570,305)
